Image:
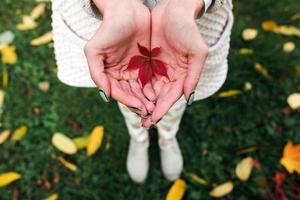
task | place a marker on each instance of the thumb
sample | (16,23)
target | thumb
(196,65)
(96,67)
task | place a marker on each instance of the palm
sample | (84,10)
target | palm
(173,33)
(115,43)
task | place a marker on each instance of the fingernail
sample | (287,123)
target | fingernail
(103,96)
(191,99)
(134,109)
(159,120)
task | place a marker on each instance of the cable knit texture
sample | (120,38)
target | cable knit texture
(74,23)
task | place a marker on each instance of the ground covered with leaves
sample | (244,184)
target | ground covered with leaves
(247,124)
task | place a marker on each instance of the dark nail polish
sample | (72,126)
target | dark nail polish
(103,96)
(134,109)
(159,120)
(191,99)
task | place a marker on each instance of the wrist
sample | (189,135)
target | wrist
(105,6)
(192,7)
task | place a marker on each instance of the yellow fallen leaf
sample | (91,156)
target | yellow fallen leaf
(246,51)
(5,78)
(288,47)
(44,39)
(8,177)
(248,86)
(2,96)
(295,17)
(244,168)
(4,135)
(287,30)
(38,11)
(229,93)
(297,69)
(196,178)
(95,140)
(262,70)
(44,86)
(81,142)
(281,29)
(222,190)
(52,197)
(19,133)
(177,190)
(67,164)
(268,25)
(294,101)
(9,55)
(291,157)
(249,34)
(28,23)
(64,143)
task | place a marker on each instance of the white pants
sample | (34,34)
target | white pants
(167,127)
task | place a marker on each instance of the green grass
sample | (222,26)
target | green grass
(219,127)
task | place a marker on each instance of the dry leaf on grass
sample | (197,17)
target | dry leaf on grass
(95,140)
(43,39)
(281,29)
(19,133)
(52,197)
(44,86)
(177,190)
(81,142)
(294,101)
(67,164)
(262,70)
(246,51)
(196,178)
(229,93)
(222,190)
(2,96)
(4,135)
(244,168)
(288,47)
(8,177)
(249,34)
(64,143)
(291,157)
(28,23)
(6,37)
(9,55)
(5,78)
(38,11)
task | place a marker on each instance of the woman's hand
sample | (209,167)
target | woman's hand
(182,49)
(125,23)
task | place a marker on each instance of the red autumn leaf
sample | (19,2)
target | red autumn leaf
(148,67)
(159,67)
(144,51)
(278,179)
(155,51)
(136,62)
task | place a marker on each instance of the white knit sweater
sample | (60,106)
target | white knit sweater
(73,27)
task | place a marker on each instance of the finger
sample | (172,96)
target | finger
(196,65)
(121,92)
(149,92)
(96,67)
(137,91)
(147,123)
(158,85)
(168,96)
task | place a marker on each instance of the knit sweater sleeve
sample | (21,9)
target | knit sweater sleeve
(92,10)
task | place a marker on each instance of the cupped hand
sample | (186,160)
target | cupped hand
(182,49)
(125,23)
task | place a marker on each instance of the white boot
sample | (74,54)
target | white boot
(171,158)
(138,160)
